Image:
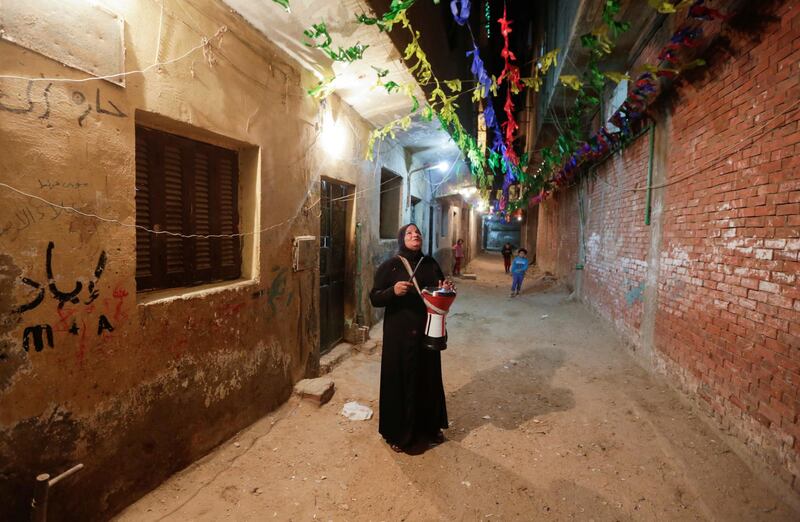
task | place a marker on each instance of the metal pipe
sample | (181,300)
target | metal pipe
(41,492)
(408,182)
(650,175)
(359,285)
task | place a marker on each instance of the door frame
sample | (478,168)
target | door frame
(348,281)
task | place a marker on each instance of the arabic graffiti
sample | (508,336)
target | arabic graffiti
(37,333)
(41,335)
(78,98)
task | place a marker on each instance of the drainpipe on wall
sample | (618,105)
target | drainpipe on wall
(576,294)
(650,175)
(359,284)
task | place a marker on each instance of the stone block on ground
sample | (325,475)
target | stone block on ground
(319,390)
(469,276)
(368,347)
(332,359)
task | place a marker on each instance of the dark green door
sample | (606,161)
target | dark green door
(332,239)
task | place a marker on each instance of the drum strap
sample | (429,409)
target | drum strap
(416,285)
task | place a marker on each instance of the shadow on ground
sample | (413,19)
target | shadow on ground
(464,485)
(510,394)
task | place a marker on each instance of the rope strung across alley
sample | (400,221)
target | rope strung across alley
(206,46)
(349,197)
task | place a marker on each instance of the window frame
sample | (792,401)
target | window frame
(224,266)
(390,182)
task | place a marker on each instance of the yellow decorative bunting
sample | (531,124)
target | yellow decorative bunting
(571,81)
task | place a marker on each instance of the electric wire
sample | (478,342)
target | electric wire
(205,44)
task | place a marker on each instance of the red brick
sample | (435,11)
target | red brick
(728,287)
(788,209)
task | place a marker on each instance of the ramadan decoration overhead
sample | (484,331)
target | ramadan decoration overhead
(574,149)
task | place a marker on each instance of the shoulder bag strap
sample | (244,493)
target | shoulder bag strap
(411,272)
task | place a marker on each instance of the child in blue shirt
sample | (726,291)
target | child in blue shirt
(518,268)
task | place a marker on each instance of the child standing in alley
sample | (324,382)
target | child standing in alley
(508,251)
(518,268)
(458,253)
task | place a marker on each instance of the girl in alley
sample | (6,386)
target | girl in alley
(412,403)
(458,253)
(518,268)
(507,251)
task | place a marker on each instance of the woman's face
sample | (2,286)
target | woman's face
(413,238)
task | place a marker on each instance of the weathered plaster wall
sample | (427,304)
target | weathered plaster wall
(460,224)
(141,387)
(348,166)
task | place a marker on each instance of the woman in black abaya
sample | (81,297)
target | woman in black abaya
(412,403)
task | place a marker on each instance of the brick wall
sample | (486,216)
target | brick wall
(617,239)
(722,253)
(728,311)
(557,235)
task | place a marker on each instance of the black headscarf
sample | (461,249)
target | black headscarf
(412,255)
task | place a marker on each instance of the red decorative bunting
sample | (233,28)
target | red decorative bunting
(700,12)
(512,75)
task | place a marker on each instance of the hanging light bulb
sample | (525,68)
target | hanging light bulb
(333,136)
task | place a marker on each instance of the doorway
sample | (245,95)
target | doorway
(332,262)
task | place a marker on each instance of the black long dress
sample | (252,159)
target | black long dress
(412,402)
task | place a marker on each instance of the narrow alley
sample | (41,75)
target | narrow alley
(551,419)
(210,210)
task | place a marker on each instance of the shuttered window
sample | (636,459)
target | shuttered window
(187,187)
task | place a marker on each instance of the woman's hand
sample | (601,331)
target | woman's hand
(402,287)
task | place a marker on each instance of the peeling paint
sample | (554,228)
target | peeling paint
(635,294)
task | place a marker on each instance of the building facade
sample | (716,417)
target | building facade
(177,245)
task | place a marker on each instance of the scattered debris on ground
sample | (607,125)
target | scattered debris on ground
(356,412)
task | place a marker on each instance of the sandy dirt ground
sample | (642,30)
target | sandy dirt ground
(551,420)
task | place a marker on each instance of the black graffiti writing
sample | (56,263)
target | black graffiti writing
(78,98)
(46,114)
(19,110)
(27,216)
(84,115)
(98,271)
(116,112)
(61,297)
(29,104)
(53,183)
(104,325)
(39,334)
(36,301)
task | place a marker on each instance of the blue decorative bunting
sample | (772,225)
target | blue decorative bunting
(460,14)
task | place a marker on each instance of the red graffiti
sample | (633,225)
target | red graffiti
(120,294)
